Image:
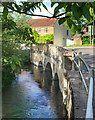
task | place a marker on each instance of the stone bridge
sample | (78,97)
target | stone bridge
(59,61)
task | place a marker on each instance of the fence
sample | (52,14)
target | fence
(89,90)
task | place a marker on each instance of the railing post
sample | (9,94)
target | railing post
(89,111)
(80,62)
(93,93)
(92,74)
(73,58)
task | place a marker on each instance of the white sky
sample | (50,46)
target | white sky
(43,11)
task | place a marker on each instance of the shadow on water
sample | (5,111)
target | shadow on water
(52,85)
(34,95)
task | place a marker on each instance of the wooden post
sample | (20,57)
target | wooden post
(80,62)
(73,58)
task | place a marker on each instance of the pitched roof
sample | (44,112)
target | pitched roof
(42,22)
(76,36)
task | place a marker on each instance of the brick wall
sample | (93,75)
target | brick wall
(50,30)
(77,41)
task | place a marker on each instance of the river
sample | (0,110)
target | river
(33,95)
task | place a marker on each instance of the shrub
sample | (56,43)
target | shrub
(86,40)
(13,58)
(49,38)
(35,35)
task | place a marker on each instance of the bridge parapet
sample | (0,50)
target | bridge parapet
(61,61)
(43,54)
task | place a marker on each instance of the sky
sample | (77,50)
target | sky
(43,12)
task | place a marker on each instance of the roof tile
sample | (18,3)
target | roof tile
(42,22)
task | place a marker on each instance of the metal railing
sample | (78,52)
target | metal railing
(89,90)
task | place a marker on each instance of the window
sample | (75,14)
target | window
(39,30)
(67,32)
(46,30)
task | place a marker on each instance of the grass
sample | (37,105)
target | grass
(80,45)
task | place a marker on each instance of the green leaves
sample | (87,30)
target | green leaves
(17,7)
(61,20)
(44,6)
(76,10)
(5,60)
(52,4)
(69,22)
(86,12)
(13,66)
(5,12)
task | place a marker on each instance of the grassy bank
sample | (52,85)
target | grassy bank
(85,45)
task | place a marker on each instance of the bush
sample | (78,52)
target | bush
(35,35)
(13,58)
(49,38)
(86,40)
(7,77)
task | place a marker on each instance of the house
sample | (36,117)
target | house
(88,31)
(62,35)
(77,39)
(43,25)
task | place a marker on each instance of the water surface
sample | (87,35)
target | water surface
(33,95)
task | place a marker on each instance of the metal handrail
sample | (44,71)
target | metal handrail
(89,110)
(88,69)
(85,85)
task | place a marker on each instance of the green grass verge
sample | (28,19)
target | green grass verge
(80,45)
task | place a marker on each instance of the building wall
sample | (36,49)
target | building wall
(77,41)
(60,35)
(50,30)
(69,42)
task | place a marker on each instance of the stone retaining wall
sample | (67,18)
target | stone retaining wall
(60,61)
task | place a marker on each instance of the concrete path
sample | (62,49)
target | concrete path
(88,54)
(79,95)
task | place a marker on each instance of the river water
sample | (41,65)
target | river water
(33,95)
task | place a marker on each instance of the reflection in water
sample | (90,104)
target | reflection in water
(33,95)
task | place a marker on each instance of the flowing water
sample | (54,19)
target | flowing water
(33,95)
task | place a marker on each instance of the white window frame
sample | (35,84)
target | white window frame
(46,29)
(39,30)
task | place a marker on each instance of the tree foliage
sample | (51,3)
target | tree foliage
(49,38)
(35,35)
(73,13)
(13,56)
(22,20)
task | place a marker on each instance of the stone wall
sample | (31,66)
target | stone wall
(60,61)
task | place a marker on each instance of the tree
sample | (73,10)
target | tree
(22,20)
(74,12)
(35,35)
(13,57)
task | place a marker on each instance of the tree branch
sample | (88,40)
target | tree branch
(31,6)
(11,8)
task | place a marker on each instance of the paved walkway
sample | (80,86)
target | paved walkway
(88,54)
